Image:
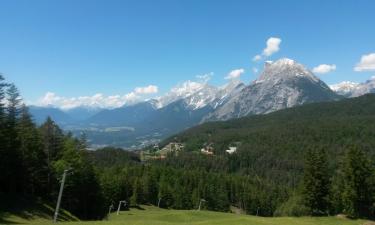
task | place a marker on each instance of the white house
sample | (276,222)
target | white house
(231,150)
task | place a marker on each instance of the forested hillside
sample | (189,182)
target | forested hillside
(275,144)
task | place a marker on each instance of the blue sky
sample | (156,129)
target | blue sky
(83,47)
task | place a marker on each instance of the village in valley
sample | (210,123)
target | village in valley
(174,148)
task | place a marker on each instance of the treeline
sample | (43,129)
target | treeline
(32,160)
(175,188)
(181,182)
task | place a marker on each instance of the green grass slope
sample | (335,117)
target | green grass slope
(154,216)
(23,210)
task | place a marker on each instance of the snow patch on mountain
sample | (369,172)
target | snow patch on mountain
(180,91)
(345,88)
(352,89)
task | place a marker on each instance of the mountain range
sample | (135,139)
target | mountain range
(352,89)
(283,84)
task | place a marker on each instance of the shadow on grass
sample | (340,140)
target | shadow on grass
(137,207)
(28,208)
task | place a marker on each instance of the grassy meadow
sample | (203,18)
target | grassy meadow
(149,215)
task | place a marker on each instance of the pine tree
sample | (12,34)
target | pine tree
(52,137)
(358,184)
(32,156)
(137,196)
(3,153)
(316,182)
(12,155)
(3,85)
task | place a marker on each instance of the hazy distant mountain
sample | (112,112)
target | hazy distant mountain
(283,84)
(351,89)
(82,112)
(40,114)
(124,116)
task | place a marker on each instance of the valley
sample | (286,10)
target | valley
(283,84)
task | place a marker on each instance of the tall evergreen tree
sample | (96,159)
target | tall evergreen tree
(31,150)
(52,137)
(3,153)
(137,197)
(316,182)
(359,192)
(82,195)
(12,155)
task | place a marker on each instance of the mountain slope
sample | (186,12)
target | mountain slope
(283,84)
(40,114)
(82,113)
(274,145)
(123,116)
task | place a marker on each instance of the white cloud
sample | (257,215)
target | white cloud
(97,100)
(257,58)
(367,63)
(150,89)
(273,46)
(234,74)
(324,68)
(187,88)
(255,70)
(204,78)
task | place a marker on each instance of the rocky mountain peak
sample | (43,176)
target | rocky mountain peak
(285,68)
(284,83)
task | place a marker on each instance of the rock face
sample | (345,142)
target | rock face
(283,84)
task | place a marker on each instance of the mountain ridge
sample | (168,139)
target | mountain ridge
(283,84)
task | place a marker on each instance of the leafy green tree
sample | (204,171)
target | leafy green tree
(316,182)
(358,195)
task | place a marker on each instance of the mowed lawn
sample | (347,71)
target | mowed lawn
(155,216)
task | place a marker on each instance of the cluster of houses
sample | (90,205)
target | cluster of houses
(173,147)
(208,149)
(176,147)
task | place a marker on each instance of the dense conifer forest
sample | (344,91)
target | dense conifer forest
(317,159)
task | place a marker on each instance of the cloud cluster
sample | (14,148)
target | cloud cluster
(97,100)
(367,63)
(234,74)
(273,46)
(324,68)
(150,89)
(204,78)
